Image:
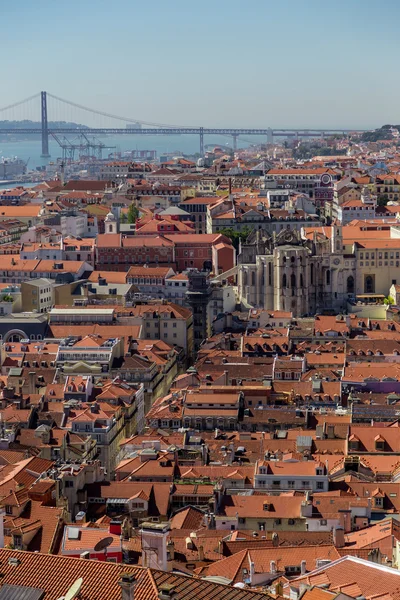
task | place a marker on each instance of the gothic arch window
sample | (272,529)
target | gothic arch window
(328,277)
(301,280)
(369,285)
(292,259)
(253,278)
(293,283)
(269,274)
(350,285)
(284,282)
(312,274)
(245,278)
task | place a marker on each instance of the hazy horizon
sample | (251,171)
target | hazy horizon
(213,64)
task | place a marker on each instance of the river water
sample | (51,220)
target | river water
(180,144)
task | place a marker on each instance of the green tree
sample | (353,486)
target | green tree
(236,236)
(388,301)
(383,200)
(133,213)
(123,218)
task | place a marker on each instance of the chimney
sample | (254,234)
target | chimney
(166,591)
(272,566)
(275,540)
(252,569)
(338,537)
(331,432)
(170,550)
(85,555)
(303,567)
(154,545)
(201,553)
(127,584)
(189,543)
(115,527)
(374,555)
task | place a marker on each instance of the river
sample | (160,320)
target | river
(181,144)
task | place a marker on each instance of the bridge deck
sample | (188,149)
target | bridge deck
(182,131)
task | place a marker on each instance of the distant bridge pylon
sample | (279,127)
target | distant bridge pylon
(145,127)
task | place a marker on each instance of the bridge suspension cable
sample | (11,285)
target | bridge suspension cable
(111,116)
(20,102)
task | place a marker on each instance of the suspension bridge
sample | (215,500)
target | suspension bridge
(62,111)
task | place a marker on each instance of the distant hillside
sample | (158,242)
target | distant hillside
(37,124)
(379,134)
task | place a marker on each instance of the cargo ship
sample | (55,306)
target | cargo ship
(10,167)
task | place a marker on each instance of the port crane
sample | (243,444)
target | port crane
(85,145)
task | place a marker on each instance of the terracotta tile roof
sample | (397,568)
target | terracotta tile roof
(87,538)
(368,436)
(284,538)
(110,276)
(23,473)
(187,518)
(328,507)
(45,520)
(382,535)
(11,457)
(158,494)
(362,371)
(197,489)
(253,506)
(136,469)
(139,271)
(355,577)
(86,185)
(317,593)
(217,473)
(303,467)
(205,543)
(201,200)
(232,566)
(100,579)
(300,171)
(105,331)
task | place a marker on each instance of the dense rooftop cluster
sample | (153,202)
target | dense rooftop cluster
(200,378)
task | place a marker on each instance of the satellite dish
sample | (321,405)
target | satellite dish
(74,589)
(103,544)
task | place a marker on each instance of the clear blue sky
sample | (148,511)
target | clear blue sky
(305,63)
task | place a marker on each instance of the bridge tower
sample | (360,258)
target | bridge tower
(201,142)
(270,136)
(235,137)
(45,129)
